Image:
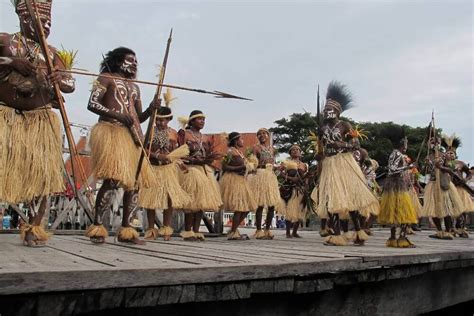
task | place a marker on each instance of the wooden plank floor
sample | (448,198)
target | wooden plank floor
(70,263)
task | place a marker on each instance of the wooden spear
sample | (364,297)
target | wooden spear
(151,123)
(217,94)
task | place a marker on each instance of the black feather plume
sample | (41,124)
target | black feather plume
(338,92)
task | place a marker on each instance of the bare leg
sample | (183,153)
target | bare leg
(197,221)
(403,241)
(295,230)
(130,199)
(188,233)
(102,201)
(448,223)
(42,209)
(258,217)
(167,217)
(150,216)
(235,222)
(197,224)
(36,236)
(151,232)
(97,232)
(360,236)
(289,225)
(344,225)
(270,215)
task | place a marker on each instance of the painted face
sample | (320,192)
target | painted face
(162,123)
(262,137)
(129,66)
(330,113)
(450,155)
(28,29)
(295,153)
(199,122)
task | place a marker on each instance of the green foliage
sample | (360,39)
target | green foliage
(297,128)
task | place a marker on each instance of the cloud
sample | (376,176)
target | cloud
(185,15)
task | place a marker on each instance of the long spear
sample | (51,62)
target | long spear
(151,123)
(217,94)
(33,11)
(436,161)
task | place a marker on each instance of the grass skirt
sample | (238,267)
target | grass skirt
(31,163)
(343,188)
(201,185)
(321,212)
(115,156)
(468,204)
(236,193)
(439,203)
(397,208)
(264,186)
(166,190)
(293,210)
(416,201)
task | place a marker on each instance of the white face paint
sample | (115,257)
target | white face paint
(5,61)
(127,67)
(330,114)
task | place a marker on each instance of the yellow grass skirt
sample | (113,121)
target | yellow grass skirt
(397,208)
(468,204)
(236,193)
(264,185)
(293,210)
(115,156)
(166,190)
(439,203)
(343,187)
(31,163)
(201,185)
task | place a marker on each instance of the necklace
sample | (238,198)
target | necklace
(161,139)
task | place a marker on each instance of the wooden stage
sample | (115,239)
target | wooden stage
(71,276)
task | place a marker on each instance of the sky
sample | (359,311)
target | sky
(400,59)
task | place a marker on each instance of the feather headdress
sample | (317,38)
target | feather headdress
(338,97)
(184,122)
(450,142)
(168,97)
(43,6)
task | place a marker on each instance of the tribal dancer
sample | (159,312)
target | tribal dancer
(415,187)
(396,205)
(236,192)
(167,193)
(362,158)
(116,141)
(199,181)
(459,168)
(264,184)
(30,132)
(294,191)
(441,199)
(342,186)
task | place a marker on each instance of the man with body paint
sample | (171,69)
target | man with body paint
(31,164)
